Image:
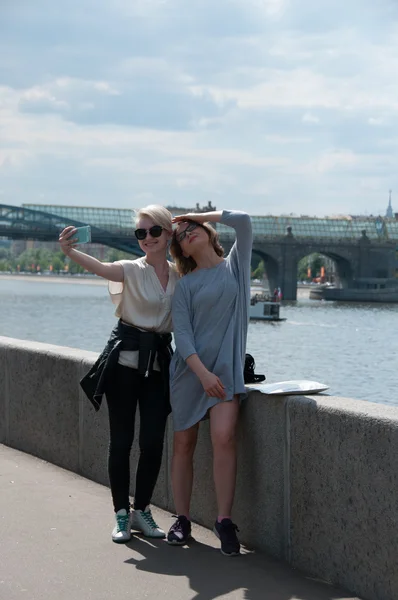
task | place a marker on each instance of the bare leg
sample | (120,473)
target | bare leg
(223,422)
(182,468)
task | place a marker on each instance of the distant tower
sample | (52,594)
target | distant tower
(389,213)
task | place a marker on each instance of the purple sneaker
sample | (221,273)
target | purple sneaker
(180,532)
(226,532)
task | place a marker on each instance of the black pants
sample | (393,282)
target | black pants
(123,393)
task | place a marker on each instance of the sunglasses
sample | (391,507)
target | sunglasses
(181,236)
(155,231)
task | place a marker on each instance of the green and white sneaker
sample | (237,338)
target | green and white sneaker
(143,521)
(122,531)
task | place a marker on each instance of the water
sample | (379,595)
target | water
(351,348)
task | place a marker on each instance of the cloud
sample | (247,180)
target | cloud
(150,96)
(375,121)
(310,118)
(268,104)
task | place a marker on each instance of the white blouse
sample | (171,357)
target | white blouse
(141,301)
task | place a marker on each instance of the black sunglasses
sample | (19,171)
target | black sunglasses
(181,236)
(155,231)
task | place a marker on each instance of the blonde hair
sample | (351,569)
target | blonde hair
(158,214)
(186,265)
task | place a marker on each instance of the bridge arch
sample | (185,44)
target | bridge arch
(271,266)
(345,267)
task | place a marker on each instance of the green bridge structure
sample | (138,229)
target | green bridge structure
(361,247)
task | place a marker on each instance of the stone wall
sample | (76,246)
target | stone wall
(318,476)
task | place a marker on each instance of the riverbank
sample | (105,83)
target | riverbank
(302,293)
(86,279)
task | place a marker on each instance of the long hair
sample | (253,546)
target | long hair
(186,265)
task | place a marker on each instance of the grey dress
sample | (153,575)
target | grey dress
(210,312)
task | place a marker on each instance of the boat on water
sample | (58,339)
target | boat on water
(263,307)
(362,290)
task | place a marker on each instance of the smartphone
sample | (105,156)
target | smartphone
(83,235)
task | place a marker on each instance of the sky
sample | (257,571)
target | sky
(271,106)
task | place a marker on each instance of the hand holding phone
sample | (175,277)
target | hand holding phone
(71,236)
(82,235)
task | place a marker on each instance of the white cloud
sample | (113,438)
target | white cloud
(375,121)
(330,161)
(307,89)
(310,118)
(272,8)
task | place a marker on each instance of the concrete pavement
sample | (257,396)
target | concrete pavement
(55,543)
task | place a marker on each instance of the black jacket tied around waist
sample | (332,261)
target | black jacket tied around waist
(127,337)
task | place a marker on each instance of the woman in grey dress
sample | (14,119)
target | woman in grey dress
(210,311)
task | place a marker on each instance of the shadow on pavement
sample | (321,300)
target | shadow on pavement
(211,575)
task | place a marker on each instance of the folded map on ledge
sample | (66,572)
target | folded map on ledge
(289,388)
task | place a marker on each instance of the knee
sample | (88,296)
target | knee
(152,444)
(120,445)
(223,440)
(184,446)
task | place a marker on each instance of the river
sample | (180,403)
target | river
(353,348)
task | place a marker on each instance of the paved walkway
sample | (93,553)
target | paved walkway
(55,544)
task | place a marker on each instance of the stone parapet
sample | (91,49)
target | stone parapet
(318,476)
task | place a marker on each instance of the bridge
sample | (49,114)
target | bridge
(361,247)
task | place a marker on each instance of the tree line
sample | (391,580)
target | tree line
(41,260)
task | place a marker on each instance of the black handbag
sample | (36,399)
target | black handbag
(248,372)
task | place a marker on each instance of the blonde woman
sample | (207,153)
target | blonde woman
(133,369)
(210,320)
